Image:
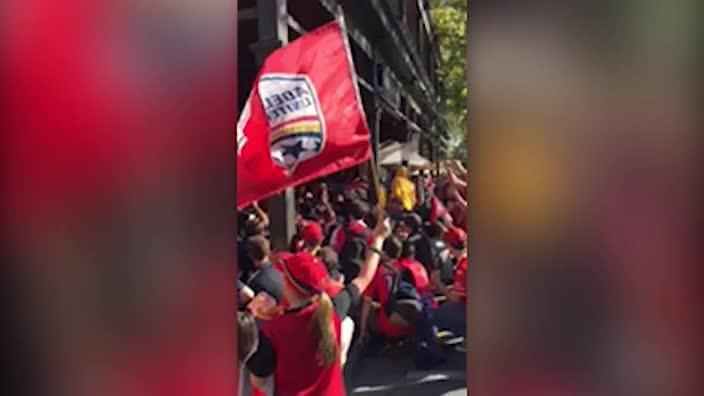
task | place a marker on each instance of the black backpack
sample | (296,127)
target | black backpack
(352,254)
(404,299)
(443,261)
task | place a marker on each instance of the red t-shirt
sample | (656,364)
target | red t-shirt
(298,372)
(459,216)
(378,291)
(418,273)
(339,235)
(459,284)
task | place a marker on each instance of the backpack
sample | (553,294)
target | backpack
(404,299)
(352,254)
(443,261)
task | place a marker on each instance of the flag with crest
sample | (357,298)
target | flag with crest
(303,119)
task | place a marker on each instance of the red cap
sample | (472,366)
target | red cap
(312,233)
(309,274)
(456,237)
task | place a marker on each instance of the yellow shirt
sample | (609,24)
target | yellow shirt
(403,189)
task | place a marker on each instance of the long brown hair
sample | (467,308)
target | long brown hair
(247,335)
(322,325)
(324,332)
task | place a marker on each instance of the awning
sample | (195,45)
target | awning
(393,153)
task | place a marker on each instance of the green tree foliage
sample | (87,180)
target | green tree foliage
(450,25)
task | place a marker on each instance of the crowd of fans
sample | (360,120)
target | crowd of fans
(362,268)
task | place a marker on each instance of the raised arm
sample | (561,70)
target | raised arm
(331,217)
(460,199)
(244,293)
(420,190)
(261,214)
(460,184)
(371,262)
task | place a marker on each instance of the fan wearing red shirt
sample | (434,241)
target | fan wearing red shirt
(391,325)
(357,211)
(453,314)
(301,347)
(413,270)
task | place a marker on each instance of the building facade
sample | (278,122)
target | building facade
(396,59)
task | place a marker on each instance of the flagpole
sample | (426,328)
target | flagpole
(378,189)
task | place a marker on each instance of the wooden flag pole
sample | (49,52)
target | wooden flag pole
(378,190)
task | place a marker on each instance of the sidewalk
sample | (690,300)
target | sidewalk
(392,373)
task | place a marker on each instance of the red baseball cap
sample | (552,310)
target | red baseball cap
(456,237)
(308,274)
(312,233)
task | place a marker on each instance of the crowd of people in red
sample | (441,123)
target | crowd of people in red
(355,273)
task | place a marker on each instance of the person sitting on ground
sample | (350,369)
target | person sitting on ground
(386,311)
(413,271)
(265,278)
(452,315)
(443,265)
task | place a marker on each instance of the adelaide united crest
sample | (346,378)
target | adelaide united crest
(296,124)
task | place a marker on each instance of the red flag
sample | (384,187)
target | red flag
(303,119)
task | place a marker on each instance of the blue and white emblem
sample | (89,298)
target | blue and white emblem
(296,124)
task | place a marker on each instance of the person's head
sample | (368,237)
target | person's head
(392,248)
(357,209)
(456,239)
(296,244)
(401,231)
(251,225)
(329,257)
(394,206)
(409,250)
(412,221)
(312,235)
(305,277)
(247,336)
(436,230)
(258,249)
(372,215)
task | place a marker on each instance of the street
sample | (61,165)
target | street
(392,373)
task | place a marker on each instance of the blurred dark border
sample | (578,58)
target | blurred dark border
(584,131)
